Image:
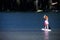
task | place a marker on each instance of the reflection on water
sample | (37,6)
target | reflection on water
(46,35)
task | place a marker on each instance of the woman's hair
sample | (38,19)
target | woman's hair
(46,17)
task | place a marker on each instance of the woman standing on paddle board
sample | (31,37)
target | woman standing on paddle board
(46,23)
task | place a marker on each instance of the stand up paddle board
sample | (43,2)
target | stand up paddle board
(46,29)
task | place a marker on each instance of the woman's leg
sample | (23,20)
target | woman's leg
(47,26)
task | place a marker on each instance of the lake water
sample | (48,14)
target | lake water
(27,26)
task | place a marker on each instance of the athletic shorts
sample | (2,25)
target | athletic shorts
(46,23)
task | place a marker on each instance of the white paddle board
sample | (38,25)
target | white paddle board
(46,29)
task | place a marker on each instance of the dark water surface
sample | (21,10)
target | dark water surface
(27,26)
(30,35)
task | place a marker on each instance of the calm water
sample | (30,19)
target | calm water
(30,35)
(27,26)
